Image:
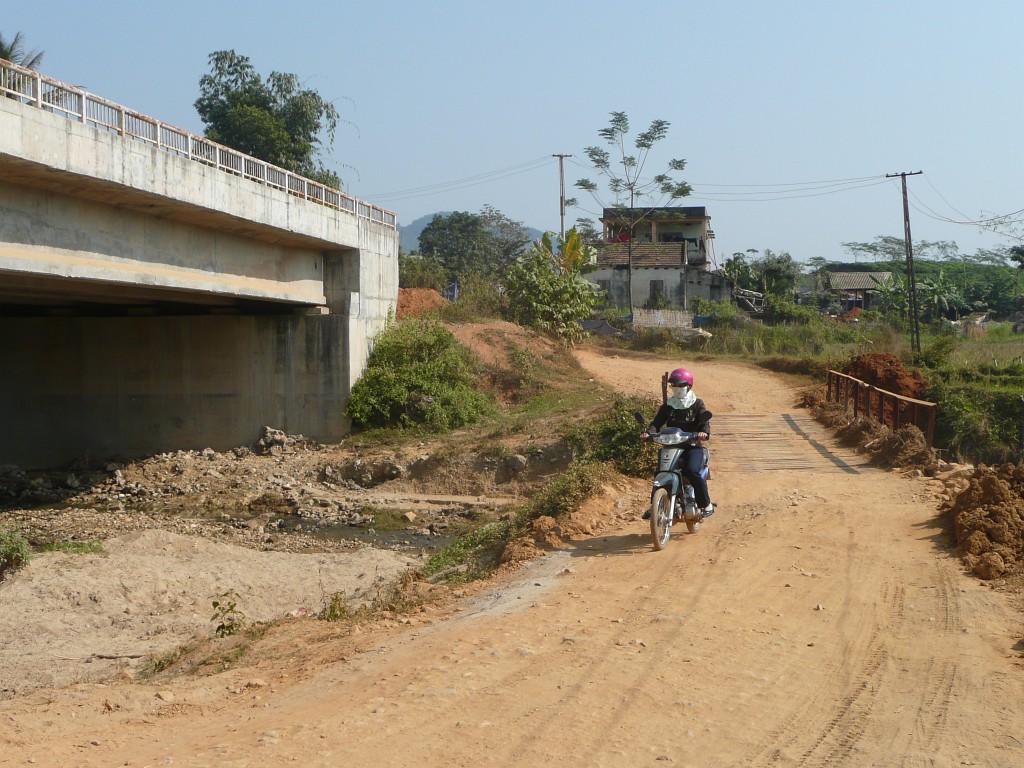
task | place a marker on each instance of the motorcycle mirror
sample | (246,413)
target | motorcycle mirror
(640,418)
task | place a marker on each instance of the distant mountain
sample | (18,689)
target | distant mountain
(409,234)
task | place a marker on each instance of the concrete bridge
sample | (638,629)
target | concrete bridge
(159,291)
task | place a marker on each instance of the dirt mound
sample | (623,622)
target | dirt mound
(989,520)
(886,371)
(413,302)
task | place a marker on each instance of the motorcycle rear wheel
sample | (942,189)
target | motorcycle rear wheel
(661,519)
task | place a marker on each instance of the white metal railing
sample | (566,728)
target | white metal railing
(79,105)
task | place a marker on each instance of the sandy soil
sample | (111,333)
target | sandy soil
(821,618)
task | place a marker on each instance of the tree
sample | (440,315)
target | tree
(776,273)
(626,181)
(510,238)
(737,270)
(588,231)
(458,241)
(275,120)
(546,288)
(14,51)
(418,271)
(940,297)
(486,243)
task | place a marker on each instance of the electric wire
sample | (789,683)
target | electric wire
(456,184)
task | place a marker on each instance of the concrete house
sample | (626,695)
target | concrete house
(668,249)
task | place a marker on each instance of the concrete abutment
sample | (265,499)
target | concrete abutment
(105,388)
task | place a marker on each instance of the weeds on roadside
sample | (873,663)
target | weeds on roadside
(15,550)
(335,607)
(565,493)
(228,614)
(614,437)
(470,555)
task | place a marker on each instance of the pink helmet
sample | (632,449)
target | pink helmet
(680,376)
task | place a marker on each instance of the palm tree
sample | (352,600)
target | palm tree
(14,51)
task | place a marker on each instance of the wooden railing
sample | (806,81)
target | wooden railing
(893,410)
(74,103)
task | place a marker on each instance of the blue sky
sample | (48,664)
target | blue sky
(775,106)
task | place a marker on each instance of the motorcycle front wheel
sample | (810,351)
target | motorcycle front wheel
(661,518)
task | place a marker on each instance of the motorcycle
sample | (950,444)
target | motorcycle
(672,498)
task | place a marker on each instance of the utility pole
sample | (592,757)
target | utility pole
(561,189)
(915,329)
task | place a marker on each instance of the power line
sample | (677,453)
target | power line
(721,197)
(468,181)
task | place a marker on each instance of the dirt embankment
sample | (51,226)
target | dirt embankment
(985,504)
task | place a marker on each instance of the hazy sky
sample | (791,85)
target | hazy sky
(789,113)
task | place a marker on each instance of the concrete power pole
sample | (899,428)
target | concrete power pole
(561,190)
(915,329)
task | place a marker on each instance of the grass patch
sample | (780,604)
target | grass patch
(385,519)
(75,547)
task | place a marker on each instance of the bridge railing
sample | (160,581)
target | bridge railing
(77,104)
(881,405)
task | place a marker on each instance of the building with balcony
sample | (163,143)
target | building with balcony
(660,255)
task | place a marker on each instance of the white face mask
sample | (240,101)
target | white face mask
(682,397)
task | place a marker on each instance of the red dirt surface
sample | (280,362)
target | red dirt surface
(413,302)
(989,520)
(886,371)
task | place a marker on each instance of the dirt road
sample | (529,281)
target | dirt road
(819,619)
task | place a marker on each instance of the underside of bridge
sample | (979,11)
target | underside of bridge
(134,320)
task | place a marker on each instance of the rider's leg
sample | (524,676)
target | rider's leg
(693,460)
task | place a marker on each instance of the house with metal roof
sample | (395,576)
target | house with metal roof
(857,289)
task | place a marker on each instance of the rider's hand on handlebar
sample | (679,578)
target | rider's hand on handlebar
(702,436)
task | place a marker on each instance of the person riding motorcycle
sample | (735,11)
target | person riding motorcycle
(683,409)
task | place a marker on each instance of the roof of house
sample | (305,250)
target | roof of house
(662,212)
(858,281)
(647,255)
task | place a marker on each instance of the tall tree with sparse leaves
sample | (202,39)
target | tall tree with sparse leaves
(275,120)
(626,179)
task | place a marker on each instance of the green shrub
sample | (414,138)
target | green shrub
(547,291)
(480,298)
(979,424)
(417,374)
(614,437)
(14,550)
(937,352)
(722,311)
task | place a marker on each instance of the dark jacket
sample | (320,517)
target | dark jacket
(696,418)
